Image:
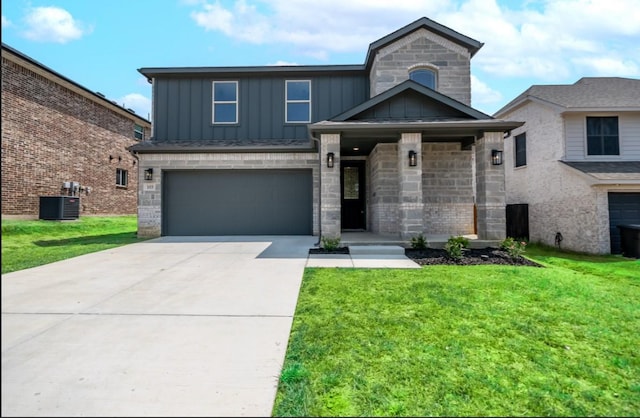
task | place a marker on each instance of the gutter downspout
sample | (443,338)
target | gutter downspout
(317,244)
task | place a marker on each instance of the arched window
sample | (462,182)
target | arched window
(425,76)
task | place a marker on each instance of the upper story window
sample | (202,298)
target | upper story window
(520,147)
(122,177)
(225,102)
(138,132)
(602,136)
(298,101)
(425,76)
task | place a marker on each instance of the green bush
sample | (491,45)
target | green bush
(419,242)
(455,245)
(513,247)
(330,244)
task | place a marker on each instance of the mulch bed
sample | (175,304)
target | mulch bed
(433,256)
(472,256)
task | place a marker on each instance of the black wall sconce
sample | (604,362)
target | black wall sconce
(496,157)
(413,158)
(148,174)
(330,159)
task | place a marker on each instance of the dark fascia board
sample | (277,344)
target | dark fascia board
(56,74)
(297,70)
(470,44)
(410,85)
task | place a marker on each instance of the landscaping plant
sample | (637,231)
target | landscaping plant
(419,242)
(513,247)
(455,246)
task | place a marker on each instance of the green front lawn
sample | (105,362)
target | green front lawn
(28,244)
(467,340)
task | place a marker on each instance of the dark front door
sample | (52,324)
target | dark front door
(352,182)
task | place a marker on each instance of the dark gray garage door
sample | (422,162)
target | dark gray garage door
(237,202)
(624,209)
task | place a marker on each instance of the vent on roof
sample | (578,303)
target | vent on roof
(131,110)
(99,94)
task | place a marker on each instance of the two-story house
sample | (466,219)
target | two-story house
(575,163)
(391,146)
(62,139)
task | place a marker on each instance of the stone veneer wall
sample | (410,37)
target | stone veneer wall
(383,189)
(452,61)
(447,182)
(150,192)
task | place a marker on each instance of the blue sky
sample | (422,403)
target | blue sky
(100,44)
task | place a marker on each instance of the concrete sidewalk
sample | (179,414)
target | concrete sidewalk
(365,256)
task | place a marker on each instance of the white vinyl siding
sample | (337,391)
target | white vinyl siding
(576,137)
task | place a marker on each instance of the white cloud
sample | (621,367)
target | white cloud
(482,94)
(283,63)
(546,40)
(139,103)
(52,24)
(6,23)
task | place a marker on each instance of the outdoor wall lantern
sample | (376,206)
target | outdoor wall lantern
(496,157)
(148,174)
(413,159)
(330,157)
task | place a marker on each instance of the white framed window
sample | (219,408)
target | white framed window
(298,101)
(225,102)
(425,75)
(138,132)
(122,177)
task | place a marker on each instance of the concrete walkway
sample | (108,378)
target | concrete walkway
(175,326)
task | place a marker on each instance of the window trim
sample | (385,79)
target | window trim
(425,67)
(287,101)
(122,177)
(586,137)
(137,131)
(523,136)
(214,101)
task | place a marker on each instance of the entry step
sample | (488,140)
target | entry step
(376,250)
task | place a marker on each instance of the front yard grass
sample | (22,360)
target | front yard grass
(467,340)
(33,243)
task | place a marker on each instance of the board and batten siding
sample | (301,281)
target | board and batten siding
(628,130)
(183,106)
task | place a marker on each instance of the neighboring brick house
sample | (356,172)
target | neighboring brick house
(390,146)
(55,131)
(575,162)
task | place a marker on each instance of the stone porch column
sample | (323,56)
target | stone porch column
(490,189)
(330,215)
(410,203)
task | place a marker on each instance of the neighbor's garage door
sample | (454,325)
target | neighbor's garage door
(237,202)
(624,209)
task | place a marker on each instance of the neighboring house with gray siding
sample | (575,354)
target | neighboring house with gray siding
(576,161)
(391,146)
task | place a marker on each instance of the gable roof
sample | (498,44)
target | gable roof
(586,94)
(468,43)
(405,86)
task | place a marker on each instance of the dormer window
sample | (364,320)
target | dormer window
(426,76)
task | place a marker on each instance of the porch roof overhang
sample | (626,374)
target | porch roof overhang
(360,137)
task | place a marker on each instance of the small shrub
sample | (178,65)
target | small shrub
(455,245)
(419,242)
(330,244)
(513,247)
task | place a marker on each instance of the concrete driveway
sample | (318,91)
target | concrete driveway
(175,326)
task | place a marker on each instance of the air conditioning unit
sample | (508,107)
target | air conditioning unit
(59,208)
